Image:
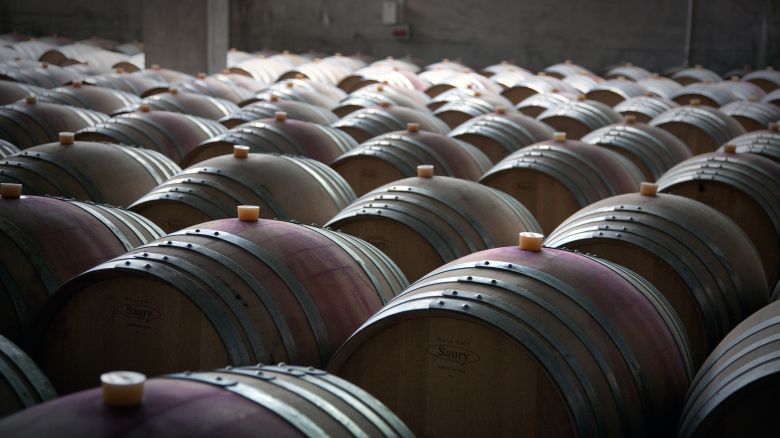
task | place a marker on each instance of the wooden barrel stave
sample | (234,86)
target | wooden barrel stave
(644,108)
(702,128)
(32,123)
(22,384)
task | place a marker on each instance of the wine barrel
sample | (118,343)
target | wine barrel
(172,134)
(513,342)
(753,116)
(295,110)
(628,71)
(503,67)
(396,155)
(217,86)
(368,123)
(701,261)
(644,108)
(733,393)
(101,99)
(692,75)
(319,71)
(540,84)
(80,53)
(31,48)
(265,70)
(702,128)
(426,221)
(390,63)
(772,97)
(583,83)
(460,111)
(31,122)
(744,187)
(86,171)
(228,291)
(459,94)
(7,149)
(277,135)
(22,384)
(765,143)
(46,241)
(133,83)
(443,80)
(242,402)
(447,64)
(742,90)
(164,74)
(579,117)
(240,81)
(11,92)
(501,133)
(285,187)
(539,103)
(39,74)
(651,149)
(565,69)
(768,79)
(661,87)
(707,93)
(615,91)
(555,178)
(375,94)
(173,100)
(396,77)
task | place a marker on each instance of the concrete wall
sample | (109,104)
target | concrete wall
(595,33)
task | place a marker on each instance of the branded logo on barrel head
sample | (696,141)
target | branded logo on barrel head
(139,311)
(452,353)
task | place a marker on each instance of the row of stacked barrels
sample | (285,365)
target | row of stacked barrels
(158,222)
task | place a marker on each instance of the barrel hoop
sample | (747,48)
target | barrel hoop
(340,191)
(220,289)
(11,289)
(26,367)
(217,316)
(521,329)
(74,173)
(303,296)
(120,236)
(172,138)
(36,170)
(381,260)
(311,397)
(146,163)
(448,201)
(249,184)
(33,254)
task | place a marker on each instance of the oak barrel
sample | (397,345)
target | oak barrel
(502,132)
(30,122)
(651,149)
(7,149)
(579,117)
(734,392)
(423,222)
(702,128)
(644,108)
(264,400)
(744,187)
(511,342)
(277,135)
(176,101)
(46,241)
(702,262)
(368,123)
(11,92)
(174,135)
(765,142)
(294,110)
(613,91)
(98,172)
(396,155)
(768,79)
(555,178)
(285,187)
(753,116)
(227,291)
(101,99)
